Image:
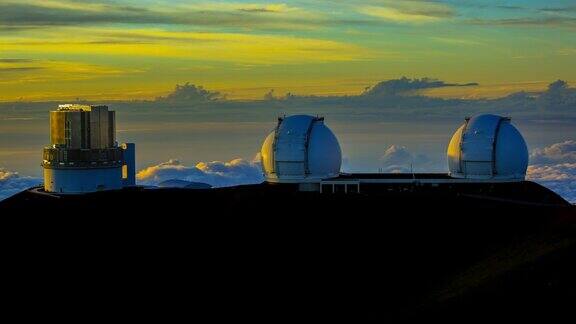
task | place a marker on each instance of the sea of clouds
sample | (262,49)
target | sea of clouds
(12,183)
(216,173)
(553,166)
(398,159)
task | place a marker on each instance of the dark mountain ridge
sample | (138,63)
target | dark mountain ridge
(391,249)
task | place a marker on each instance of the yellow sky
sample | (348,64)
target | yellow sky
(66,49)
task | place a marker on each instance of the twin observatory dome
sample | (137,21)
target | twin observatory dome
(302,149)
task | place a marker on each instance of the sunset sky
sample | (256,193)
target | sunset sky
(139,49)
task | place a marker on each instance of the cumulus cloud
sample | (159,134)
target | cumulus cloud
(405,85)
(554,166)
(191,93)
(12,183)
(216,173)
(398,159)
(411,98)
(564,152)
(560,178)
(558,96)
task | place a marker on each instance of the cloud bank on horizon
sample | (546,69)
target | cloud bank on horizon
(215,173)
(398,159)
(12,183)
(395,93)
(553,166)
(402,97)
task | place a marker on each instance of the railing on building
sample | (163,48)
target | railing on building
(55,157)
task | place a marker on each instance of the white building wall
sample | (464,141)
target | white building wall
(82,180)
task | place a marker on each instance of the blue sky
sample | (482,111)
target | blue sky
(61,49)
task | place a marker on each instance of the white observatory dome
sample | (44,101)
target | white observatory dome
(488,147)
(301,149)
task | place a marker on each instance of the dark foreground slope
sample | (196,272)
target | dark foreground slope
(465,249)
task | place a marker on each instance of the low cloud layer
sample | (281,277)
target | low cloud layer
(216,173)
(398,159)
(407,97)
(12,183)
(555,167)
(560,178)
(564,152)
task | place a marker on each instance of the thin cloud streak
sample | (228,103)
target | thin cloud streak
(215,15)
(556,21)
(257,49)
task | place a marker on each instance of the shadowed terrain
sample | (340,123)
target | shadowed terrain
(407,249)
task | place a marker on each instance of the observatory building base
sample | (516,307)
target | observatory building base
(82,180)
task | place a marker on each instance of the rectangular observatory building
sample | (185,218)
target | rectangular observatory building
(83,155)
(79,126)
